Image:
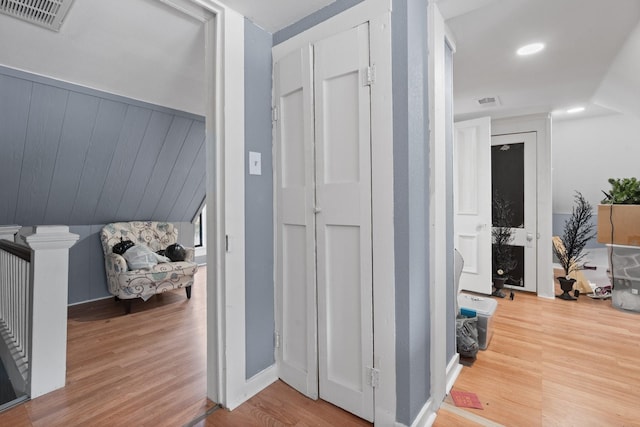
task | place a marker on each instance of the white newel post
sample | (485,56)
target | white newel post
(8,232)
(50,277)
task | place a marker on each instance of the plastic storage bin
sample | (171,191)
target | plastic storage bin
(624,272)
(485,308)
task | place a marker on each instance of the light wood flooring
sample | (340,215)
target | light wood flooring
(555,363)
(550,363)
(148,368)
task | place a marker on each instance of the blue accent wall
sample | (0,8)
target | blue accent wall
(80,157)
(411,206)
(259,285)
(314,19)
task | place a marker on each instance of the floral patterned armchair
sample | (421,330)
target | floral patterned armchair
(126,284)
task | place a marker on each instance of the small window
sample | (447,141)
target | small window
(200,229)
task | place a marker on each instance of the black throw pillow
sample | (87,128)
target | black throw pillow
(120,248)
(175,252)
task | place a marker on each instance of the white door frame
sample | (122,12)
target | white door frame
(224,124)
(541,124)
(378,14)
(443,372)
(212,17)
(521,236)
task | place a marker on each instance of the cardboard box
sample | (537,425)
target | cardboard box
(626,224)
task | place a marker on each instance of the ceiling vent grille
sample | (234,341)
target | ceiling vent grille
(45,13)
(488,101)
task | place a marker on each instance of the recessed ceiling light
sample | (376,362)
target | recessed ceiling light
(530,49)
(575,110)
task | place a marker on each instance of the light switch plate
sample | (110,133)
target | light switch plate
(255,163)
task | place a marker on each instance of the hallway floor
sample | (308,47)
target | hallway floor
(554,363)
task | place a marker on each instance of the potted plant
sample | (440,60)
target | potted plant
(620,224)
(502,234)
(578,230)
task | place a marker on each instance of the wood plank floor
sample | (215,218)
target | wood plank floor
(555,363)
(149,369)
(550,363)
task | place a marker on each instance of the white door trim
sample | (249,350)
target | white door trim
(437,37)
(212,16)
(377,13)
(541,124)
(224,123)
(521,235)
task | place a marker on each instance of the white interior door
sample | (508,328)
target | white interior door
(343,220)
(472,202)
(296,336)
(513,166)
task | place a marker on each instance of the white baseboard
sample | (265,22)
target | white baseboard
(255,385)
(425,418)
(453,370)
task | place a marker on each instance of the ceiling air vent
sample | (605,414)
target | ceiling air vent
(488,101)
(45,13)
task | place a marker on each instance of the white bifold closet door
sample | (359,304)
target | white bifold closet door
(296,339)
(337,193)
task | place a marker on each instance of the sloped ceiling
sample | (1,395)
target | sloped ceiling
(141,49)
(74,156)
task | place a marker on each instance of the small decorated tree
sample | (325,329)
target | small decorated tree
(502,251)
(578,230)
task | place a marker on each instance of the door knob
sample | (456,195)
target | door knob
(317,210)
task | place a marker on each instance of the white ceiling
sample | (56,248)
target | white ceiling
(592,56)
(118,46)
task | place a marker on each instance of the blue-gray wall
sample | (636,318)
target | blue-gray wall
(411,206)
(451,294)
(81,157)
(259,285)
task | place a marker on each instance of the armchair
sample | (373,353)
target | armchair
(126,284)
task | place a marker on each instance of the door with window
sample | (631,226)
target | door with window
(513,179)
(324,292)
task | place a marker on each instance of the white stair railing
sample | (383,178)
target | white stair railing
(44,338)
(15,312)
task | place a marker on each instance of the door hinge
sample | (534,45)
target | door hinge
(370,75)
(374,377)
(276,339)
(274,114)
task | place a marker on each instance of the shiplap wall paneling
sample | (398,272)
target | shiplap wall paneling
(191,194)
(80,118)
(121,166)
(14,117)
(160,172)
(100,151)
(46,116)
(177,175)
(150,147)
